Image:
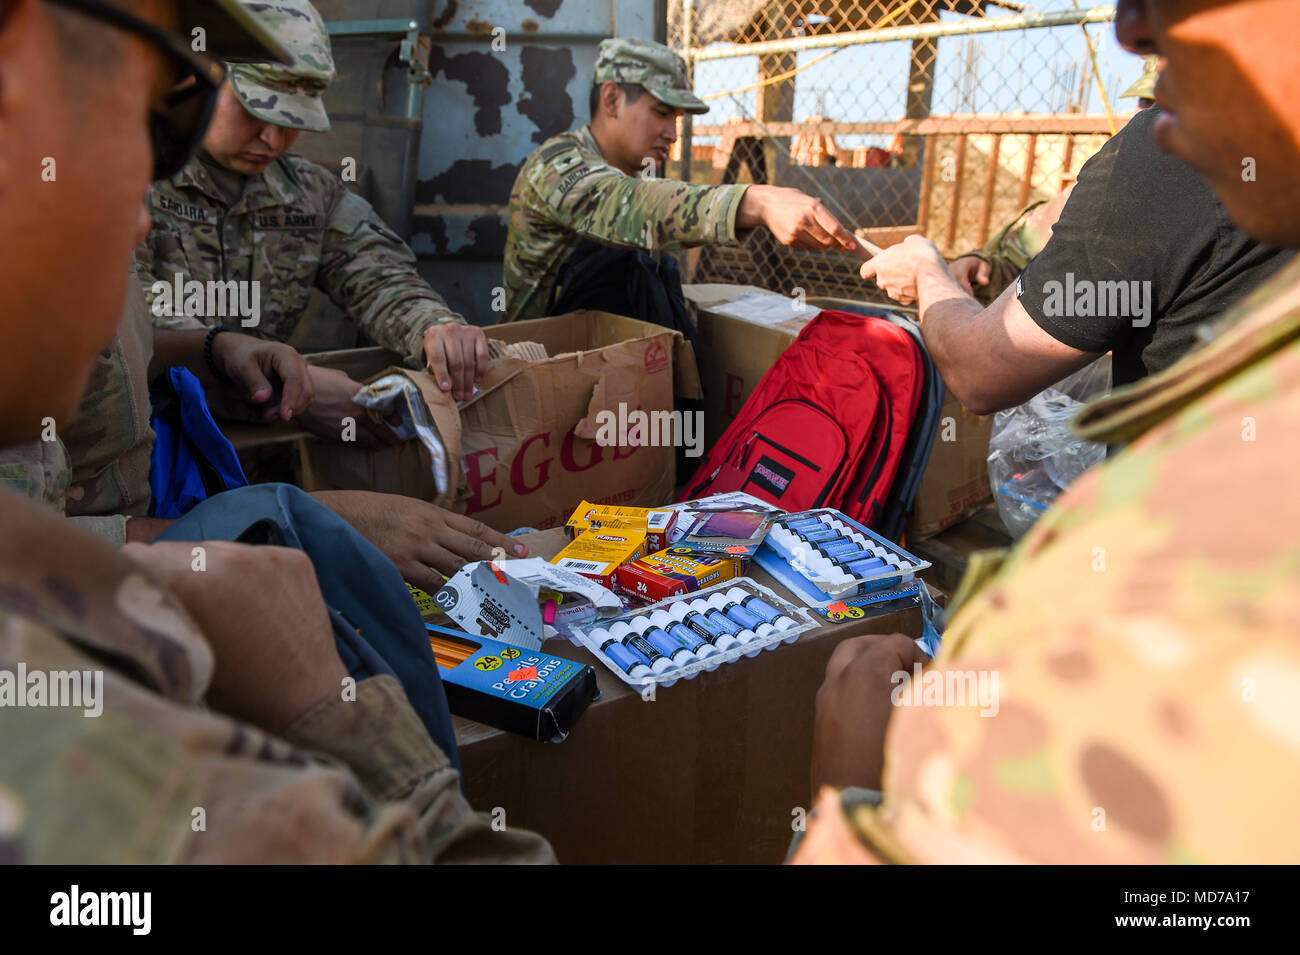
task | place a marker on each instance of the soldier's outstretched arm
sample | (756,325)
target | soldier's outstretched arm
(347,782)
(600,203)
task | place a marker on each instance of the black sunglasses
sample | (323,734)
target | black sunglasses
(178,123)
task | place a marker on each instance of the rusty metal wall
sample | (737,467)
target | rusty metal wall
(507,75)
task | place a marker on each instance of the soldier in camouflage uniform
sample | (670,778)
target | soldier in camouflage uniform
(110,437)
(985,273)
(1144,87)
(246,210)
(95,467)
(592,184)
(219,736)
(1145,630)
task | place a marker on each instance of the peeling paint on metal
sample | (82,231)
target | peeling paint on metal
(486,79)
(436,231)
(546,8)
(469,180)
(488,235)
(531,26)
(447,15)
(546,102)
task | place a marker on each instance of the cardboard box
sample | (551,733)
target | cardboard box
(956,481)
(710,770)
(526,449)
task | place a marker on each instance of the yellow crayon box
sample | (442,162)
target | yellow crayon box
(657,522)
(598,553)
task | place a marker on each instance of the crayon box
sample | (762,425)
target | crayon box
(674,571)
(657,522)
(529,692)
(598,553)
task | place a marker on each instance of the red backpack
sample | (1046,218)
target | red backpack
(828,424)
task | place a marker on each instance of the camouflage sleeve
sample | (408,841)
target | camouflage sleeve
(598,202)
(156,780)
(1010,251)
(369,272)
(110,528)
(157,259)
(38,471)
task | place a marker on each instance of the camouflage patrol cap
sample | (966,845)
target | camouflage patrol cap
(1145,87)
(651,65)
(288,95)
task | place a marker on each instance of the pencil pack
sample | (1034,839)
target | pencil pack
(529,692)
(676,570)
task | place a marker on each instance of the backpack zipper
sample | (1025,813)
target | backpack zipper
(880,459)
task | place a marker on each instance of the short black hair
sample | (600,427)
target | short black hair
(632,91)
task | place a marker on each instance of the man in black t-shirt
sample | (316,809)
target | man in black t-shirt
(1142,256)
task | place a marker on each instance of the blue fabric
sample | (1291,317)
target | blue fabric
(185,435)
(383,631)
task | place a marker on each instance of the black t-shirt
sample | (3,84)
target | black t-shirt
(1144,254)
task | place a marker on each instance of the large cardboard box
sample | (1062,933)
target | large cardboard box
(528,448)
(711,770)
(956,480)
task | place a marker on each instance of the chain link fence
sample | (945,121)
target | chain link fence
(944,117)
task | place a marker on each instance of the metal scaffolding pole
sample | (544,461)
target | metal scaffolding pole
(688,37)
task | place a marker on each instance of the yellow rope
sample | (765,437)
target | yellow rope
(1096,72)
(772,79)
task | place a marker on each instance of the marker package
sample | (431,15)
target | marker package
(530,692)
(678,638)
(825,557)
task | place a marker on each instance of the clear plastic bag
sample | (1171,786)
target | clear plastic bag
(1033,454)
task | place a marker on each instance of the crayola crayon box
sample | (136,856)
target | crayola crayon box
(529,692)
(674,571)
(657,522)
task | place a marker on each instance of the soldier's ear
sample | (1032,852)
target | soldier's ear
(611,98)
